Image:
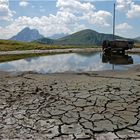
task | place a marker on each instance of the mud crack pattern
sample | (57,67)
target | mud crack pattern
(69,107)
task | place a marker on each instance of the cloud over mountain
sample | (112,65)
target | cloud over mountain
(67,19)
(69,16)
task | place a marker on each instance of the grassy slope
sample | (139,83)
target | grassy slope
(8,45)
(85,37)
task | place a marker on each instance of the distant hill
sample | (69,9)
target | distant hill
(84,37)
(27,35)
(138,39)
(57,36)
(44,41)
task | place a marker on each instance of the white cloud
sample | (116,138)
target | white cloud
(74,5)
(134,12)
(99,18)
(124,26)
(131,9)
(123,5)
(5,13)
(68,19)
(46,25)
(23,3)
(86,10)
(78,27)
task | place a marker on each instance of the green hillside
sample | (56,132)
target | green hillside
(45,41)
(84,37)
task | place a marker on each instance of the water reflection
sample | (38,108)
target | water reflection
(87,54)
(70,63)
(117,59)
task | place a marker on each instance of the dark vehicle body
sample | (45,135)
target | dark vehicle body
(118,46)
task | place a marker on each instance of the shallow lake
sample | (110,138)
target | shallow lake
(72,62)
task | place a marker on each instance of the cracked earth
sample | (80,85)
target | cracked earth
(69,106)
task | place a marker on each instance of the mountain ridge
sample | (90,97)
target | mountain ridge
(84,37)
(27,35)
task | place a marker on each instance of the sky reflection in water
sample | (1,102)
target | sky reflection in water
(72,62)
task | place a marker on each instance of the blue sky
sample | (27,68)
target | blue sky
(69,16)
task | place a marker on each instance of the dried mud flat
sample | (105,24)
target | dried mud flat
(98,106)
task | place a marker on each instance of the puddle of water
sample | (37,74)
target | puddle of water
(72,62)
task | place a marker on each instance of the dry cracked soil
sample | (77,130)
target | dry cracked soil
(69,107)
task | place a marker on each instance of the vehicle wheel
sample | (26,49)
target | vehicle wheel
(107,51)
